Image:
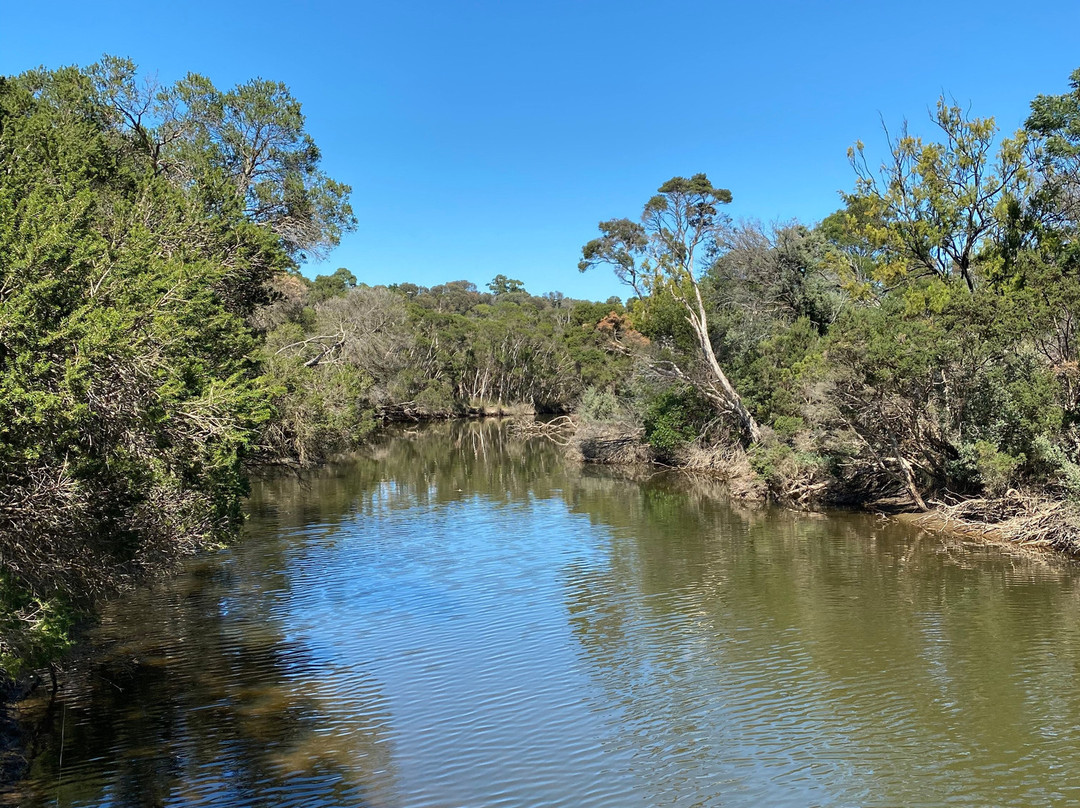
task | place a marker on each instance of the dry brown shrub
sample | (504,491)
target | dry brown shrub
(614,444)
(1021,518)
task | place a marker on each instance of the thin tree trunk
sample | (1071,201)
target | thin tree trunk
(728,394)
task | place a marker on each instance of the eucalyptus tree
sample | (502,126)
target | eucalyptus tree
(679,226)
(502,285)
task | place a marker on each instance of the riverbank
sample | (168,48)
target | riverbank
(1030,520)
(1016,520)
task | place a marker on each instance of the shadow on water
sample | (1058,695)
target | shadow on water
(195,696)
(459,617)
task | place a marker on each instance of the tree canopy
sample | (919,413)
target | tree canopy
(935,206)
(140,229)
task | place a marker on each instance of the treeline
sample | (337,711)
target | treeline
(919,344)
(344,357)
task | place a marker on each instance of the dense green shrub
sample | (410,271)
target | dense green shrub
(130,395)
(675,418)
(599,405)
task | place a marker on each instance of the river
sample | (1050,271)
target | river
(462,618)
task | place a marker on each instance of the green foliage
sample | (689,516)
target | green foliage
(1057,119)
(502,285)
(676,418)
(785,274)
(682,221)
(436,398)
(663,320)
(788,426)
(341,360)
(936,207)
(328,286)
(1054,125)
(599,405)
(35,632)
(130,266)
(781,466)
(318,413)
(984,464)
(245,148)
(775,371)
(1052,465)
(1012,404)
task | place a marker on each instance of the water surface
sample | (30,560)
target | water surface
(466,619)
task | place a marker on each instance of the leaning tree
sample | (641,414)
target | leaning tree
(656,256)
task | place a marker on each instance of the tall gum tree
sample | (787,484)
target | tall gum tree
(679,225)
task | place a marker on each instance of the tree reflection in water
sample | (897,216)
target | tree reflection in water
(199,698)
(763,657)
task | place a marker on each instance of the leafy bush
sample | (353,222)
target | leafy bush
(788,426)
(675,418)
(436,398)
(982,463)
(784,468)
(1051,463)
(599,405)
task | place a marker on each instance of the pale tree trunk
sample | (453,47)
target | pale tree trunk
(909,481)
(726,396)
(908,476)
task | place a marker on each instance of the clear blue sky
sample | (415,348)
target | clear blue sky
(491,137)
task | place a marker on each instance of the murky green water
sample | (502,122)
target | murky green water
(467,620)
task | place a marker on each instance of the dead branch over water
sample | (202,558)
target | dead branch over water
(560,431)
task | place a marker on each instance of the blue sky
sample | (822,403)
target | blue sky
(491,137)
